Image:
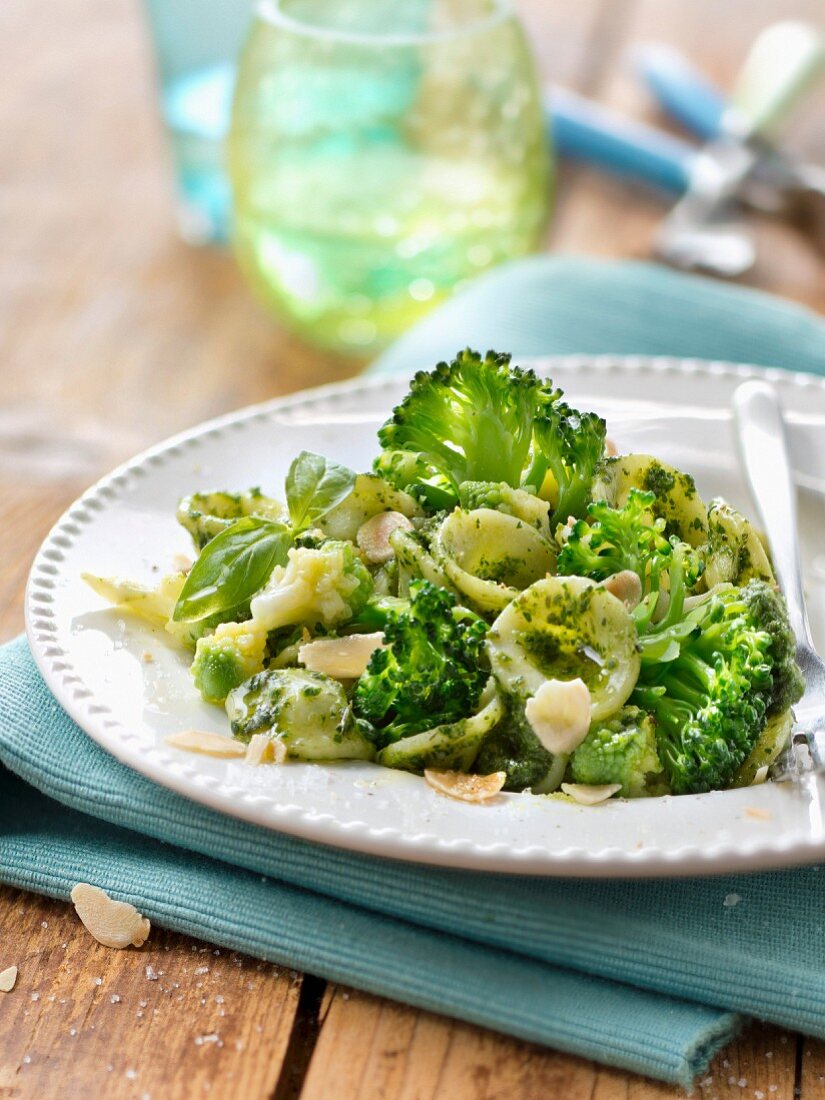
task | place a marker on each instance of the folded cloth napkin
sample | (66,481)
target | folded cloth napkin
(622,972)
(558,305)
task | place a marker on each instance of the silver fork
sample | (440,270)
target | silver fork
(763,447)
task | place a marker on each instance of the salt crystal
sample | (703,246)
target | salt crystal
(759,1095)
(73,1031)
(115,999)
(98,981)
(202,970)
(742,1082)
(151,974)
(35,996)
(44,924)
(26,1059)
(143,1004)
(131,1074)
(200,1040)
(731,900)
(219,999)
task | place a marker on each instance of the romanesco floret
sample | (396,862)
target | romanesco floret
(620,750)
(228,657)
(502,497)
(319,586)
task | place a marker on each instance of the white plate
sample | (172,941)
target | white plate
(91,657)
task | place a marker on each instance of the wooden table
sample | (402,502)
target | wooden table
(113,335)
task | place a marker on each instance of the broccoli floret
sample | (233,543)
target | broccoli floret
(432,671)
(620,750)
(570,444)
(307,711)
(502,497)
(326,585)
(205,515)
(468,420)
(225,659)
(512,747)
(709,675)
(610,540)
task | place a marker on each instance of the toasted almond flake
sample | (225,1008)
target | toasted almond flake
(610,448)
(181,563)
(343,658)
(587,795)
(210,744)
(465,788)
(625,586)
(373,536)
(147,657)
(759,813)
(112,923)
(760,776)
(559,714)
(263,749)
(7,979)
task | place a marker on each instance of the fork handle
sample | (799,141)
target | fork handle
(763,446)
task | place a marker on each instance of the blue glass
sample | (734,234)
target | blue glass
(196,43)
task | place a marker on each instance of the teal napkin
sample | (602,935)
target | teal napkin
(622,972)
(558,305)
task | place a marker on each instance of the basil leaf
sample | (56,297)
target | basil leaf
(314,485)
(232,567)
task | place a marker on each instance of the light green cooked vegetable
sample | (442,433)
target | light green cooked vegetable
(224,659)
(620,750)
(326,585)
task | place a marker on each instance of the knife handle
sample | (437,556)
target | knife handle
(781,66)
(584,130)
(681,89)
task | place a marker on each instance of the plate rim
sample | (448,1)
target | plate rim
(391,841)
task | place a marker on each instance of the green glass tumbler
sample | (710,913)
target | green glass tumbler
(381,153)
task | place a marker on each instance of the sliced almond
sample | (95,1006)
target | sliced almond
(610,447)
(7,979)
(210,744)
(263,749)
(760,776)
(625,586)
(112,923)
(342,658)
(559,714)
(373,537)
(587,795)
(465,788)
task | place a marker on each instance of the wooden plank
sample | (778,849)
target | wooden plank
(84,1019)
(811,1069)
(371,1048)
